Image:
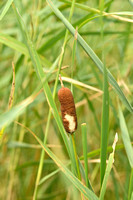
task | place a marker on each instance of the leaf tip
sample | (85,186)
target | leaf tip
(115,141)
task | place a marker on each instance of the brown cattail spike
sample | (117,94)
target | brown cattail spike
(68,110)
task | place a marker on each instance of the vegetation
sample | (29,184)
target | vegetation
(89,45)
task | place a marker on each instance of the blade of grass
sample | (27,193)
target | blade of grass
(8,117)
(49,176)
(73,166)
(126,138)
(76,160)
(115,185)
(16,144)
(122,13)
(95,33)
(104,125)
(105,106)
(75,156)
(108,169)
(75,82)
(130,191)
(84,144)
(97,152)
(20,47)
(128,148)
(33,163)
(92,55)
(13,43)
(5,9)
(73,57)
(132,196)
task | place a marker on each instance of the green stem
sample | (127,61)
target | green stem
(130,191)
(73,57)
(76,157)
(76,160)
(84,143)
(41,158)
(105,106)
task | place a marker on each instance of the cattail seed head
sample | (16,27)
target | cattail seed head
(68,110)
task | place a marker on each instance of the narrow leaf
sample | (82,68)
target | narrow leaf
(108,169)
(8,117)
(126,138)
(49,176)
(84,144)
(5,9)
(104,126)
(19,47)
(130,191)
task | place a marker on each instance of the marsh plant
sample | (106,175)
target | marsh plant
(66,100)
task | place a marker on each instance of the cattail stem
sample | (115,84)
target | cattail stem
(62,85)
(76,157)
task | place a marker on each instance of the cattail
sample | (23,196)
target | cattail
(68,110)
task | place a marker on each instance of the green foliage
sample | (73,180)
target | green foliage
(5,9)
(90,44)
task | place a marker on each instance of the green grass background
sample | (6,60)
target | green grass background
(39,39)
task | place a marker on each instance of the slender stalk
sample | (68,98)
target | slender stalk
(130,190)
(76,158)
(105,107)
(73,57)
(41,158)
(73,161)
(108,169)
(84,143)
